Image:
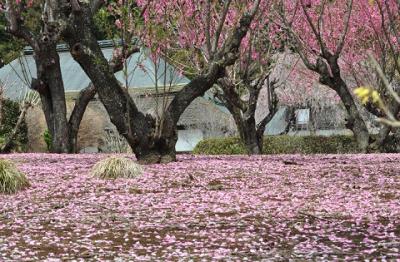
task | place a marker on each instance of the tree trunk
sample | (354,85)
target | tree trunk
(332,78)
(354,121)
(51,89)
(383,141)
(246,126)
(163,144)
(243,112)
(137,128)
(380,142)
(75,119)
(49,84)
(248,134)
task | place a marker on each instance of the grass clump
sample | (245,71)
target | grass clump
(11,179)
(116,167)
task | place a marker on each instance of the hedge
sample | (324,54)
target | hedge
(281,145)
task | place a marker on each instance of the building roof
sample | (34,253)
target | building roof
(142,71)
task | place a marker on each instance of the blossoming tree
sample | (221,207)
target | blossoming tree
(383,72)
(220,26)
(240,89)
(331,48)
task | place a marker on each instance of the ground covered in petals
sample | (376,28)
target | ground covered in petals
(233,208)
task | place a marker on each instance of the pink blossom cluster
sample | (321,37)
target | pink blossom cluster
(188,24)
(237,208)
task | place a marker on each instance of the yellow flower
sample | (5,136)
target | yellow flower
(375,96)
(366,94)
(363,93)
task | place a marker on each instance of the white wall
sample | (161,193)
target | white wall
(188,139)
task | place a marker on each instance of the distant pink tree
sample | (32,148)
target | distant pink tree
(332,38)
(383,68)
(298,87)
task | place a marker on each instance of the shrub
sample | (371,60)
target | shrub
(116,167)
(220,146)
(47,139)
(10,112)
(11,179)
(309,145)
(280,145)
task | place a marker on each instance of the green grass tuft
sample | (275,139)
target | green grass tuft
(116,167)
(11,179)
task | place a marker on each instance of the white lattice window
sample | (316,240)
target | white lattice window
(302,118)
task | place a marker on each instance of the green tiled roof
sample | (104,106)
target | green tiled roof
(141,72)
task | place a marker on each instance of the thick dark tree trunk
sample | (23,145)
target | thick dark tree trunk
(137,128)
(332,78)
(163,144)
(246,125)
(252,134)
(50,86)
(243,112)
(381,143)
(248,134)
(354,121)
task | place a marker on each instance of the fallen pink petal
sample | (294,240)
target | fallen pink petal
(335,207)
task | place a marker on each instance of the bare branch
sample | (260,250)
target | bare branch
(83,99)
(324,49)
(346,28)
(7,146)
(230,93)
(298,44)
(321,15)
(273,108)
(300,49)
(95,5)
(117,61)
(393,27)
(220,26)
(385,81)
(208,25)
(230,51)
(388,122)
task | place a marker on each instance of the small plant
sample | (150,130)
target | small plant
(13,130)
(115,143)
(47,139)
(116,167)
(11,179)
